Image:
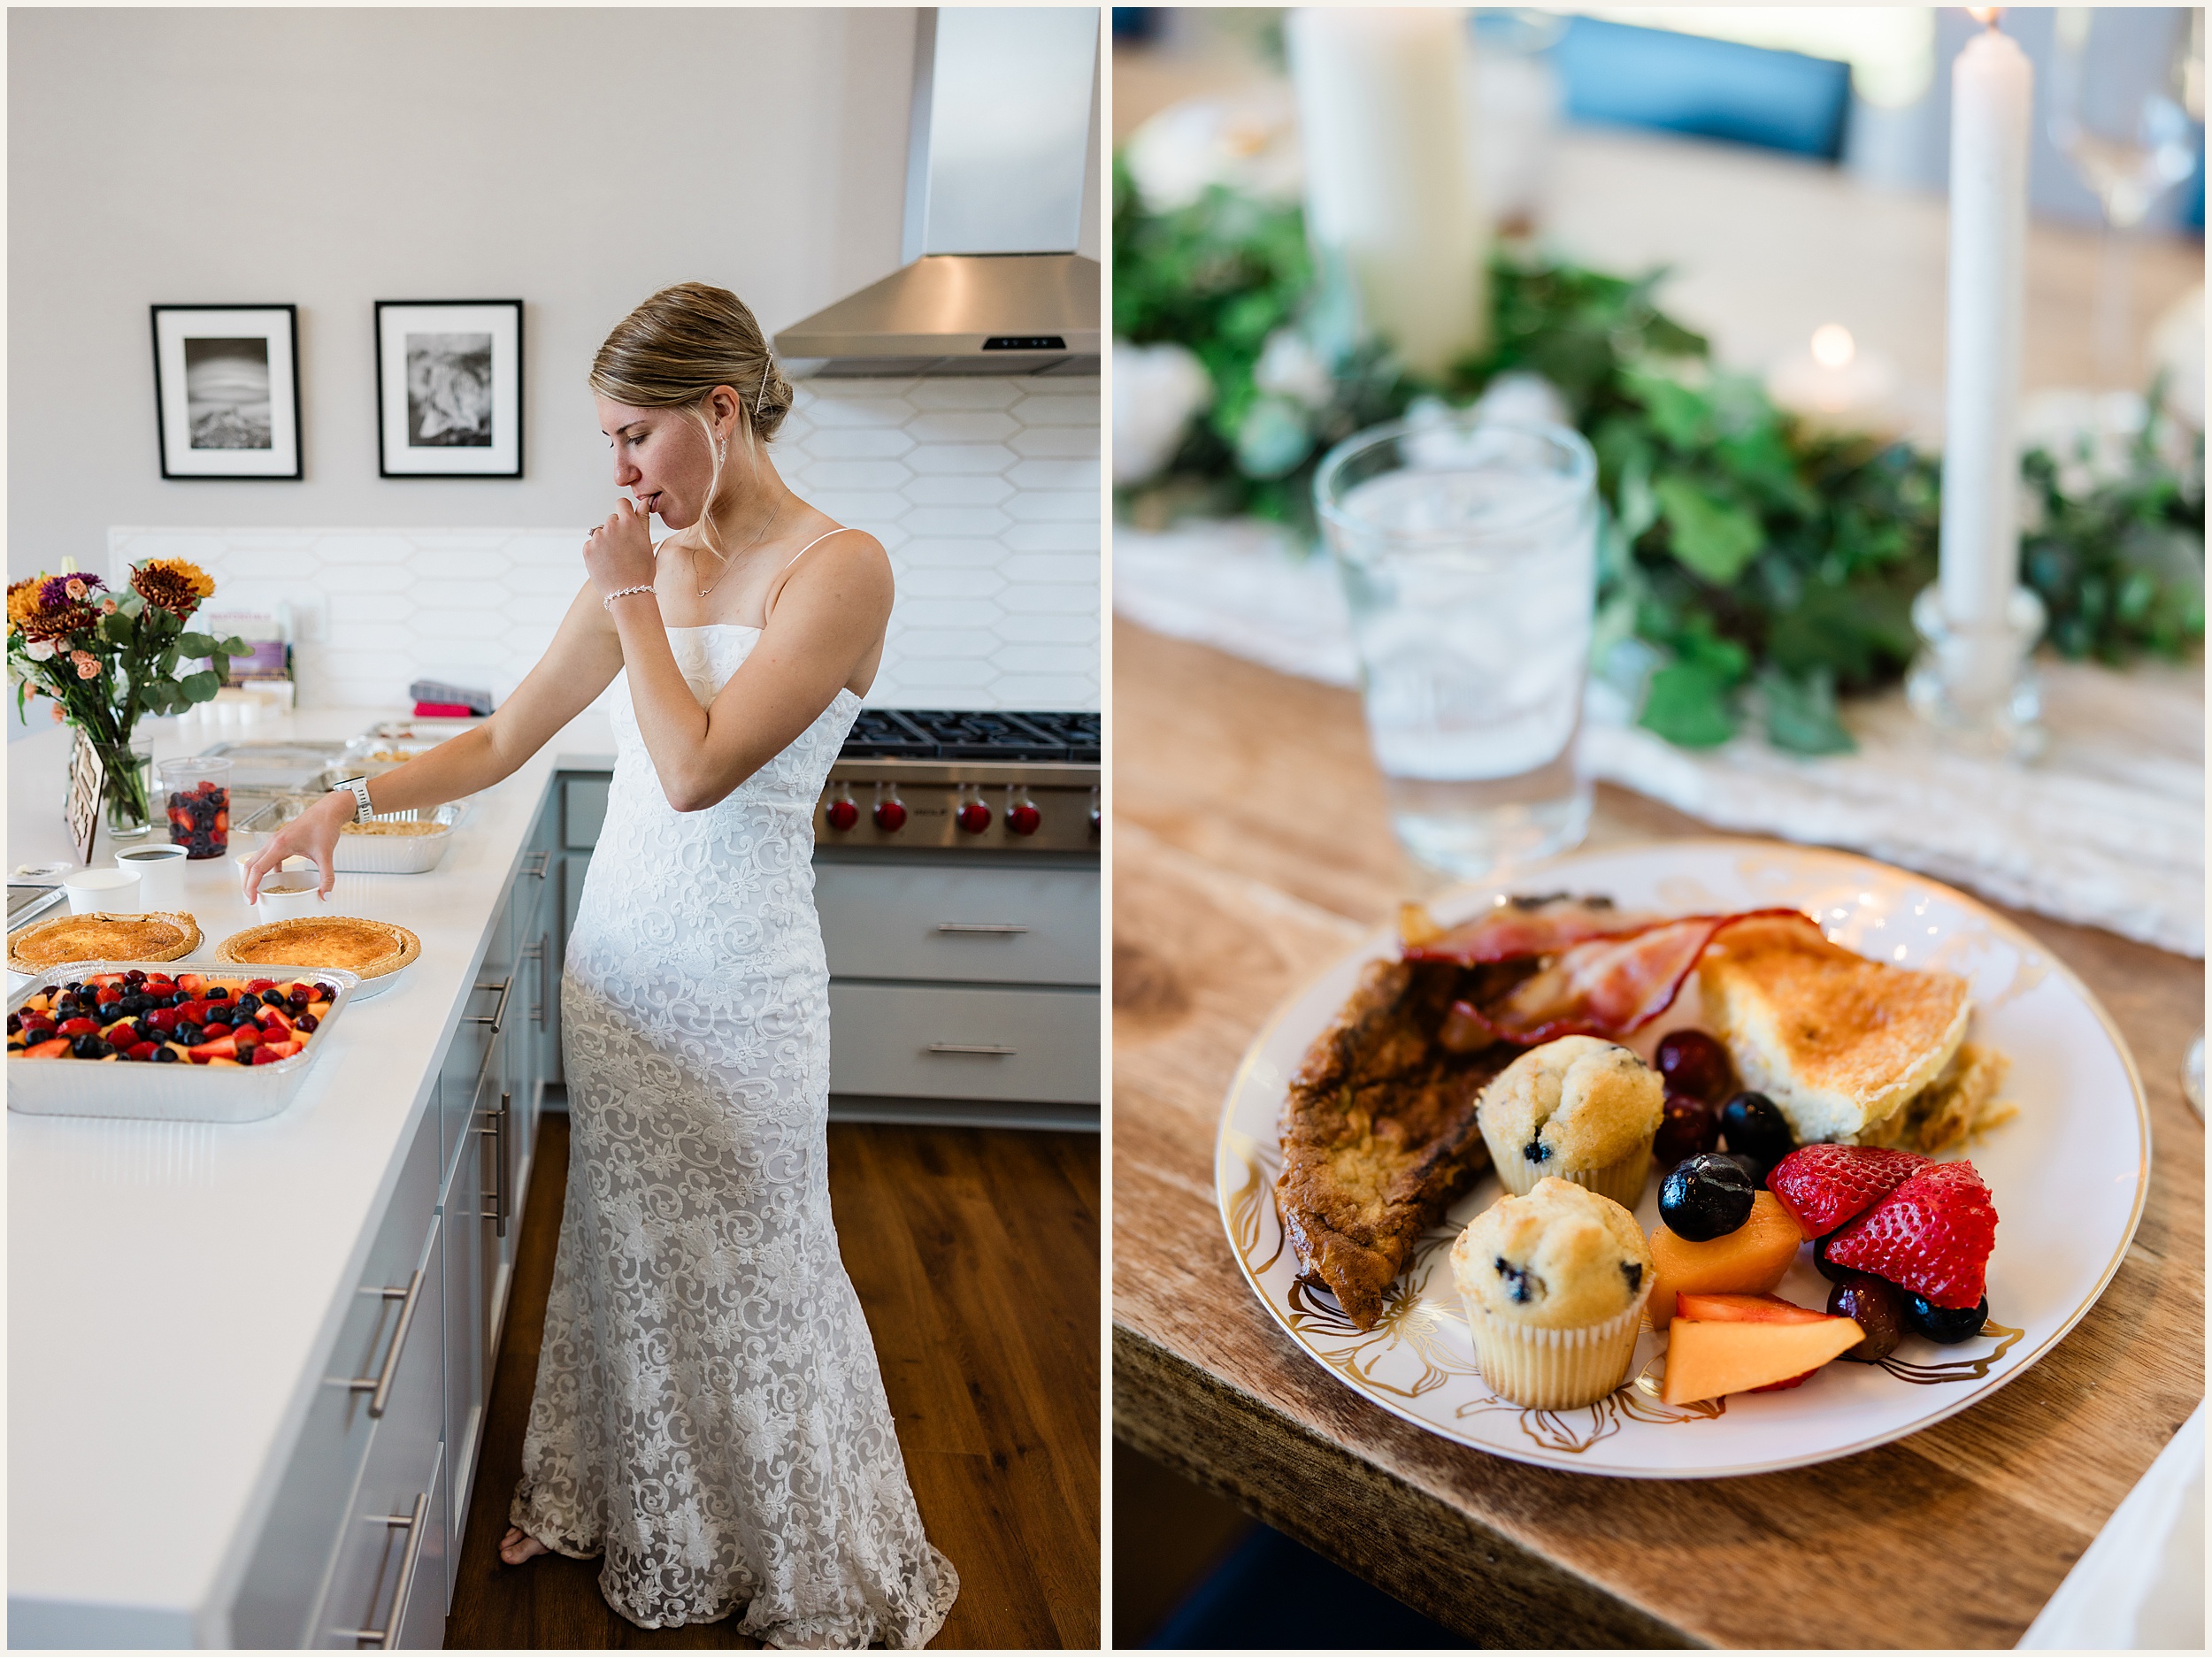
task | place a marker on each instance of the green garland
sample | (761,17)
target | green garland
(1752,568)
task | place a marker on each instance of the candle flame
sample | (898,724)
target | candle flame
(1986,16)
(1833,346)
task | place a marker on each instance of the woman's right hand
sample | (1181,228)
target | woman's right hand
(312,834)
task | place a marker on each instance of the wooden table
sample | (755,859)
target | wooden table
(1250,847)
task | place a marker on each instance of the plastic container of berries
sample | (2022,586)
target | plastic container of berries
(390,843)
(179,1092)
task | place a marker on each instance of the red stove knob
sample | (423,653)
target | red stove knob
(890,813)
(1023,818)
(842,813)
(973,818)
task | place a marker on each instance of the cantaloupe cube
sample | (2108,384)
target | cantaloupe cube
(1710,1359)
(1750,1260)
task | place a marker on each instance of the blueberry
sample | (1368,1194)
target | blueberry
(274,998)
(1633,1270)
(1753,1127)
(1537,1151)
(191,1035)
(89,1045)
(15,1026)
(1521,1285)
(164,1055)
(1945,1325)
(217,992)
(1705,1197)
(74,985)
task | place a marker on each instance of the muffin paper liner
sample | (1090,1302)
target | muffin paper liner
(1555,1368)
(1623,1181)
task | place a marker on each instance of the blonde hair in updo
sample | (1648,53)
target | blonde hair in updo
(676,348)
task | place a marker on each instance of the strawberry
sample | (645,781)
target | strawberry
(1823,1185)
(143,1052)
(78,1027)
(191,983)
(221,1047)
(53,1049)
(1932,1235)
(254,987)
(269,1053)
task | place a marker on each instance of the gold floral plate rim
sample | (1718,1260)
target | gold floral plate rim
(1988,1373)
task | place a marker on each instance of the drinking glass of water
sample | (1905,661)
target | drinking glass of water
(1468,549)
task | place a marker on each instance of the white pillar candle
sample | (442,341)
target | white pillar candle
(1992,89)
(1383,119)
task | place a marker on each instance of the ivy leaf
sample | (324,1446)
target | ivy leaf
(1710,538)
(1686,702)
(1680,416)
(1801,713)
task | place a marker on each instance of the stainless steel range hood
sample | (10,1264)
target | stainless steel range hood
(1000,152)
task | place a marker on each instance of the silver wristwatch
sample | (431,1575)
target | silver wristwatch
(360,787)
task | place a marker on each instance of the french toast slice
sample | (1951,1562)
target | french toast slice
(1839,1042)
(1378,1131)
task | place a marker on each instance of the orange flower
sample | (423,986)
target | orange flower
(87,665)
(171,584)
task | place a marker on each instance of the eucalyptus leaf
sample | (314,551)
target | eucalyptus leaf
(1687,704)
(200,687)
(1710,537)
(196,645)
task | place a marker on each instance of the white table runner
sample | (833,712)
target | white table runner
(2107,830)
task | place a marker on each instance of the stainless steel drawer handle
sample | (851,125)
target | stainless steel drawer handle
(536,870)
(387,1638)
(379,1386)
(536,952)
(497,1134)
(506,986)
(981,929)
(971,1046)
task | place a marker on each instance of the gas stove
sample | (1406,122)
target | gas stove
(965,781)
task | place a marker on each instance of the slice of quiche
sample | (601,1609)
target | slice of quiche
(1378,1134)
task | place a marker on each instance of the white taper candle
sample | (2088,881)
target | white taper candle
(1383,119)
(1992,91)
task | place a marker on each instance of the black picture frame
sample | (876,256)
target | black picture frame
(453,408)
(240,358)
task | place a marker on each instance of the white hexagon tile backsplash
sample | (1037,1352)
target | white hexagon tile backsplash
(985,492)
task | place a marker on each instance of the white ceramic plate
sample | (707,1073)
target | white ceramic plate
(2068,1176)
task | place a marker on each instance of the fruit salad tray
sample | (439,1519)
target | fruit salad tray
(201,1069)
(2068,1175)
(390,843)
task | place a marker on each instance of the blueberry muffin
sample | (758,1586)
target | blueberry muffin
(1578,1109)
(1555,1283)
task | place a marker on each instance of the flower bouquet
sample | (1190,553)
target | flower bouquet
(106,659)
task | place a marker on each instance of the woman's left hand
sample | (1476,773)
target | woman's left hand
(619,552)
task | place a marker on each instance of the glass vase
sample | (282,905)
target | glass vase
(126,791)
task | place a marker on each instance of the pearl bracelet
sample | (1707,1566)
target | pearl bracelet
(608,603)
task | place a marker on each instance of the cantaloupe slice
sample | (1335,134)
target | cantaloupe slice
(1750,1260)
(1710,1359)
(1743,1309)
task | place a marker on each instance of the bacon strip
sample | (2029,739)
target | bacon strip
(1605,987)
(1511,932)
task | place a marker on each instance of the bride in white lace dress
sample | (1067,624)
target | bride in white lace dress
(708,1415)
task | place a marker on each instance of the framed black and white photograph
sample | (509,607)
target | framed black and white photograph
(227,390)
(448,388)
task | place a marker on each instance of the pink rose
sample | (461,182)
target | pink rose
(87,665)
(75,589)
(107,606)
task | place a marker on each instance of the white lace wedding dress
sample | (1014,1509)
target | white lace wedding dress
(708,1411)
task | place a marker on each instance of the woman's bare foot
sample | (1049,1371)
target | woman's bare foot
(516,1546)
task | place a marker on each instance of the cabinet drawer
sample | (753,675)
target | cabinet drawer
(921,1041)
(285,1579)
(959,926)
(583,809)
(401,1472)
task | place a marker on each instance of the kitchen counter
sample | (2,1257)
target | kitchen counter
(176,1289)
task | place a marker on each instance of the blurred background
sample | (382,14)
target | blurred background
(1788,167)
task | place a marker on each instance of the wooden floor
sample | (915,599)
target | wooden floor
(975,1254)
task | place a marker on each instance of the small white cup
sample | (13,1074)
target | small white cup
(102,891)
(160,871)
(285,896)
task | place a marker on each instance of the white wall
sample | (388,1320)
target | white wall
(576,159)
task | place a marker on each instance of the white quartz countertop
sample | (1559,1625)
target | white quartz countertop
(173,1287)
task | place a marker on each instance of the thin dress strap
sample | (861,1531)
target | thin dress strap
(812,545)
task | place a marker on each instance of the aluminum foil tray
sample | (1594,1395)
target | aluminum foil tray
(367,854)
(167,1093)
